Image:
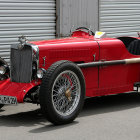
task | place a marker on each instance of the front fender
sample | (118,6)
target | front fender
(18,90)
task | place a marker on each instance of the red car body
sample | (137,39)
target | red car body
(84,48)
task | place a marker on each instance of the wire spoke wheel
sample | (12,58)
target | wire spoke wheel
(66,92)
(62,92)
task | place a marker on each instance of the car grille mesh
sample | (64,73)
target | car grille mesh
(21,64)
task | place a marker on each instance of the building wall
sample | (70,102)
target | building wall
(119,17)
(72,14)
(32,18)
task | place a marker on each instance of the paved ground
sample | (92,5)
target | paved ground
(105,118)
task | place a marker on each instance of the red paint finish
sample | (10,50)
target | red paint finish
(80,48)
(81,34)
(18,90)
(72,49)
(116,77)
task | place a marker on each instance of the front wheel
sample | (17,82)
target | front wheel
(62,92)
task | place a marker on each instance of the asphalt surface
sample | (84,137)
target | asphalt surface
(114,117)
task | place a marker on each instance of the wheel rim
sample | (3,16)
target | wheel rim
(66,92)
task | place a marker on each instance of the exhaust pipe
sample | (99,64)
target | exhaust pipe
(108,63)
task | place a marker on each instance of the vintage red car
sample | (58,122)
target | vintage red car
(59,73)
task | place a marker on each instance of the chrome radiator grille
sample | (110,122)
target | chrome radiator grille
(21,64)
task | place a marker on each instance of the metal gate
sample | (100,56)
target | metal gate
(33,18)
(119,17)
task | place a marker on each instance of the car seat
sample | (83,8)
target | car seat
(134,47)
(127,40)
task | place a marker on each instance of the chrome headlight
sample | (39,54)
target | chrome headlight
(2,70)
(40,73)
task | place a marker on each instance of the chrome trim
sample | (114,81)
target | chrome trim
(23,42)
(35,54)
(66,92)
(94,57)
(44,61)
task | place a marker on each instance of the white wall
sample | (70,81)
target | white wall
(76,13)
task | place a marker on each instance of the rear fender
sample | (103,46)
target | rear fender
(18,90)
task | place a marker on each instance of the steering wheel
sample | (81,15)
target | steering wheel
(85,30)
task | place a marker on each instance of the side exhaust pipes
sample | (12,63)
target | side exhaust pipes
(107,63)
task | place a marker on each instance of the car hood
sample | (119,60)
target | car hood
(61,41)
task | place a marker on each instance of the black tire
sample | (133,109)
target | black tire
(1,106)
(45,95)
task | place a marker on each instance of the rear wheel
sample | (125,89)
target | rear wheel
(62,92)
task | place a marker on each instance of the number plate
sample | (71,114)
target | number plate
(8,100)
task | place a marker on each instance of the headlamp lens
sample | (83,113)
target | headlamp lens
(40,73)
(2,70)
